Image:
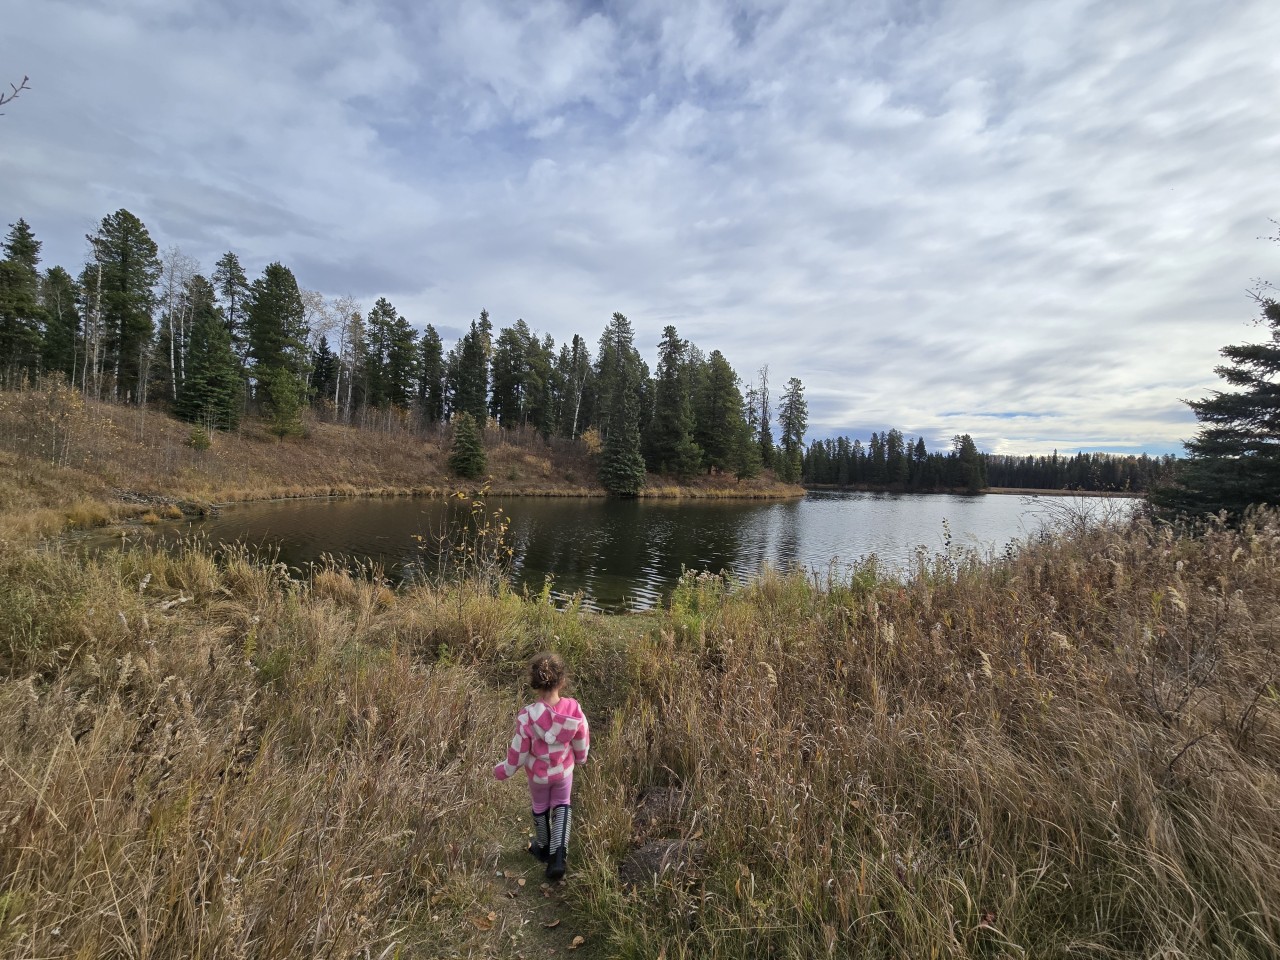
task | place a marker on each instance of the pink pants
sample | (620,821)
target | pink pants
(547,795)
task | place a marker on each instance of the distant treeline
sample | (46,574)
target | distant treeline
(891,461)
(1083,471)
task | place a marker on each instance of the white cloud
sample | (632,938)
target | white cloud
(936,215)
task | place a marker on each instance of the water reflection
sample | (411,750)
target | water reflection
(628,554)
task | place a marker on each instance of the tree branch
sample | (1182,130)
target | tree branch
(15,89)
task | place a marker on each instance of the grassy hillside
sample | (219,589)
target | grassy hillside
(1070,751)
(64,460)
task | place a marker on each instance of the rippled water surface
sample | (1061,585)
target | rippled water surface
(628,554)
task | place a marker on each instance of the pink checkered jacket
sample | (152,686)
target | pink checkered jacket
(548,741)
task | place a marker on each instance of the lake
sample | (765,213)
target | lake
(628,554)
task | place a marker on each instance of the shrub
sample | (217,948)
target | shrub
(199,439)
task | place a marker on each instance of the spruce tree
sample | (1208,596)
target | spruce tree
(210,393)
(20,308)
(620,376)
(719,417)
(670,444)
(285,397)
(468,370)
(746,456)
(793,419)
(621,465)
(431,375)
(466,458)
(506,401)
(324,371)
(402,362)
(1233,462)
(967,468)
(379,333)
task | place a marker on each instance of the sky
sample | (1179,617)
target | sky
(1033,222)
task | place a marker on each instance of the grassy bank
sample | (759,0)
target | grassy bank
(65,461)
(1070,751)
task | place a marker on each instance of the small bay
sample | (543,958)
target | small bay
(628,554)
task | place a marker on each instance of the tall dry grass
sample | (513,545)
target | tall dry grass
(1072,750)
(203,758)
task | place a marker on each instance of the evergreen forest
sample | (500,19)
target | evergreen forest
(139,325)
(891,461)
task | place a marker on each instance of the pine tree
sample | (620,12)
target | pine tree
(379,334)
(968,470)
(1233,462)
(506,401)
(793,418)
(20,309)
(897,461)
(540,385)
(670,444)
(746,457)
(232,288)
(621,375)
(324,371)
(468,370)
(402,362)
(466,457)
(719,415)
(58,296)
(21,246)
(285,397)
(621,465)
(877,468)
(275,322)
(211,390)
(431,375)
(125,295)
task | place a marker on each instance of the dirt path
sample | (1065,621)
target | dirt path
(529,916)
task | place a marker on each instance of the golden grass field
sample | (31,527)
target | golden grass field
(1071,750)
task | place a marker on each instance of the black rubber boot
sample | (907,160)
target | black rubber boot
(540,847)
(561,822)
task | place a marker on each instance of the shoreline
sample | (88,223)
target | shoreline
(126,507)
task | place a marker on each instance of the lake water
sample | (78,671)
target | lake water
(628,554)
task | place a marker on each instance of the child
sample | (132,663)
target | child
(551,736)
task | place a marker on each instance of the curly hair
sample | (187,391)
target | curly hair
(547,672)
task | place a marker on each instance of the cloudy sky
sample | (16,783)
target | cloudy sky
(1035,222)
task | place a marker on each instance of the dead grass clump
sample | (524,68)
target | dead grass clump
(88,514)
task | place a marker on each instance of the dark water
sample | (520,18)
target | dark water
(628,554)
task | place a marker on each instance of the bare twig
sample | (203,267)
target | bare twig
(14,90)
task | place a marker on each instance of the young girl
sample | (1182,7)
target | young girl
(551,736)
